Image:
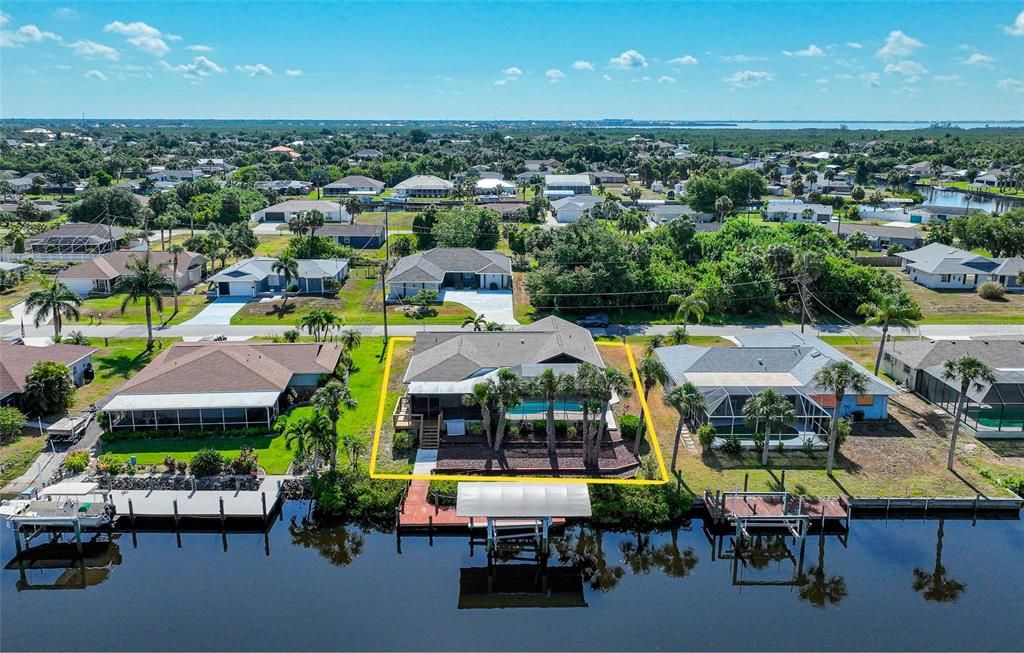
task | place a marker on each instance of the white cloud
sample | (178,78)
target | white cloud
(911,70)
(294,72)
(946,78)
(748,78)
(665,79)
(512,71)
(741,58)
(1017,29)
(151,44)
(897,45)
(4,18)
(628,60)
(978,59)
(582,65)
(94,50)
(821,80)
(871,80)
(685,60)
(810,51)
(66,13)
(173,37)
(199,48)
(25,34)
(132,29)
(554,74)
(200,67)
(95,74)
(844,76)
(1010,85)
(606,77)
(500,82)
(854,45)
(254,70)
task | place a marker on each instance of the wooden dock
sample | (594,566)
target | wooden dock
(193,504)
(774,510)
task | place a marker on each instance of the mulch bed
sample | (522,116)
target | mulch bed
(616,459)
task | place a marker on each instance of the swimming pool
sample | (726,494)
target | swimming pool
(534,407)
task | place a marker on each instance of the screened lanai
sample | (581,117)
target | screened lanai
(223,410)
(724,410)
(994,409)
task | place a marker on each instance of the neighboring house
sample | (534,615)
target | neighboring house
(570,209)
(608,177)
(884,236)
(211,166)
(449,267)
(564,185)
(423,186)
(46,208)
(353,184)
(220,385)
(541,165)
(795,211)
(285,211)
(367,154)
(492,186)
(256,276)
(1010,273)
(76,238)
(995,410)
(13,270)
(835,187)
(447,364)
(786,362)
(990,179)
(356,236)
(285,186)
(667,212)
(175,176)
(284,149)
(944,267)
(16,362)
(932,213)
(100,275)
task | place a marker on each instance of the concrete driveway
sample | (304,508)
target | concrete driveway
(495,304)
(219,312)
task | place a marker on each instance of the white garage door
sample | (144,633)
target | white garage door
(241,289)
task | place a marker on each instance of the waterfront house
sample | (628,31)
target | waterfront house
(101,275)
(934,213)
(797,211)
(565,185)
(423,186)
(995,410)
(285,186)
(944,267)
(353,184)
(256,276)
(220,385)
(285,211)
(449,267)
(16,362)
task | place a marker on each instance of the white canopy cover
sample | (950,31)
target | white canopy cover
(510,499)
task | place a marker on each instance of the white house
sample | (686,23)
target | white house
(450,267)
(570,209)
(285,211)
(944,267)
(797,211)
(563,185)
(101,275)
(353,184)
(255,276)
(423,186)
(491,186)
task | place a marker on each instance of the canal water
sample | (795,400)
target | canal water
(897,584)
(968,200)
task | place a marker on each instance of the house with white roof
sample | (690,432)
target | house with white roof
(797,211)
(257,276)
(285,211)
(565,185)
(570,209)
(423,186)
(944,267)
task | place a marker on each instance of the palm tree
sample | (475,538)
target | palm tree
(611,381)
(693,304)
(772,408)
(287,267)
(148,283)
(175,250)
(890,309)
(353,206)
(837,377)
(688,401)
(937,585)
(969,371)
(550,387)
(508,391)
(56,299)
(350,339)
(482,396)
(330,398)
(165,222)
(722,207)
(319,323)
(653,343)
(678,336)
(311,436)
(493,326)
(651,372)
(478,322)
(818,588)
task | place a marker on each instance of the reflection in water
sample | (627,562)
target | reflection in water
(641,557)
(818,588)
(936,585)
(78,570)
(338,545)
(521,586)
(584,548)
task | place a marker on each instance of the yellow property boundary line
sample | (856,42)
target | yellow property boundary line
(382,409)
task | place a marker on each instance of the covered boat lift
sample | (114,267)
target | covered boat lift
(509,508)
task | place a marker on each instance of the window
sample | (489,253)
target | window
(887,357)
(944,278)
(906,369)
(865,400)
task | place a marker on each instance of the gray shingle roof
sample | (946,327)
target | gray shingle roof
(432,265)
(424,181)
(356,181)
(261,267)
(936,258)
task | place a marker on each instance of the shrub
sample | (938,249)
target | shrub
(185,434)
(110,464)
(352,494)
(76,461)
(628,426)
(12,421)
(758,440)
(207,462)
(706,435)
(992,290)
(291,335)
(181,466)
(403,442)
(476,429)
(731,445)
(246,462)
(170,463)
(442,493)
(632,506)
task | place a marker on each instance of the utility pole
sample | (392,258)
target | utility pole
(384,299)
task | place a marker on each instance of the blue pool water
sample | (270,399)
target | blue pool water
(528,407)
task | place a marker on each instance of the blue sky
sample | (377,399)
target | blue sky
(514,60)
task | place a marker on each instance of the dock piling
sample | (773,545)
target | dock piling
(430,529)
(263,501)
(746,481)
(131,512)
(221,499)
(177,519)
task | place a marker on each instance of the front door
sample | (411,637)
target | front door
(224,289)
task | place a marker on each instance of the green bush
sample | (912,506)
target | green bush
(403,442)
(207,462)
(76,461)
(706,435)
(732,444)
(639,506)
(445,492)
(991,290)
(12,421)
(110,464)
(352,494)
(628,426)
(246,462)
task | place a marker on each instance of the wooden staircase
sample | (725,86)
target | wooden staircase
(430,433)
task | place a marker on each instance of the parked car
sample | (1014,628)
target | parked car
(595,321)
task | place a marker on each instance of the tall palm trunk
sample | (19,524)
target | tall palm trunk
(881,346)
(551,428)
(675,447)
(833,437)
(595,445)
(641,429)
(957,420)
(56,323)
(486,412)
(334,443)
(500,435)
(767,444)
(149,325)
(175,282)
(586,431)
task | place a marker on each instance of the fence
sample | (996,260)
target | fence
(880,261)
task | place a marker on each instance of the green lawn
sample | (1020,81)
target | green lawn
(397,220)
(359,302)
(18,293)
(17,455)
(273,456)
(107,310)
(272,245)
(962,307)
(114,364)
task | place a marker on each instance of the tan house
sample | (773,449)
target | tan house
(100,275)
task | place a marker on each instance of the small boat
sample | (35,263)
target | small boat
(78,505)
